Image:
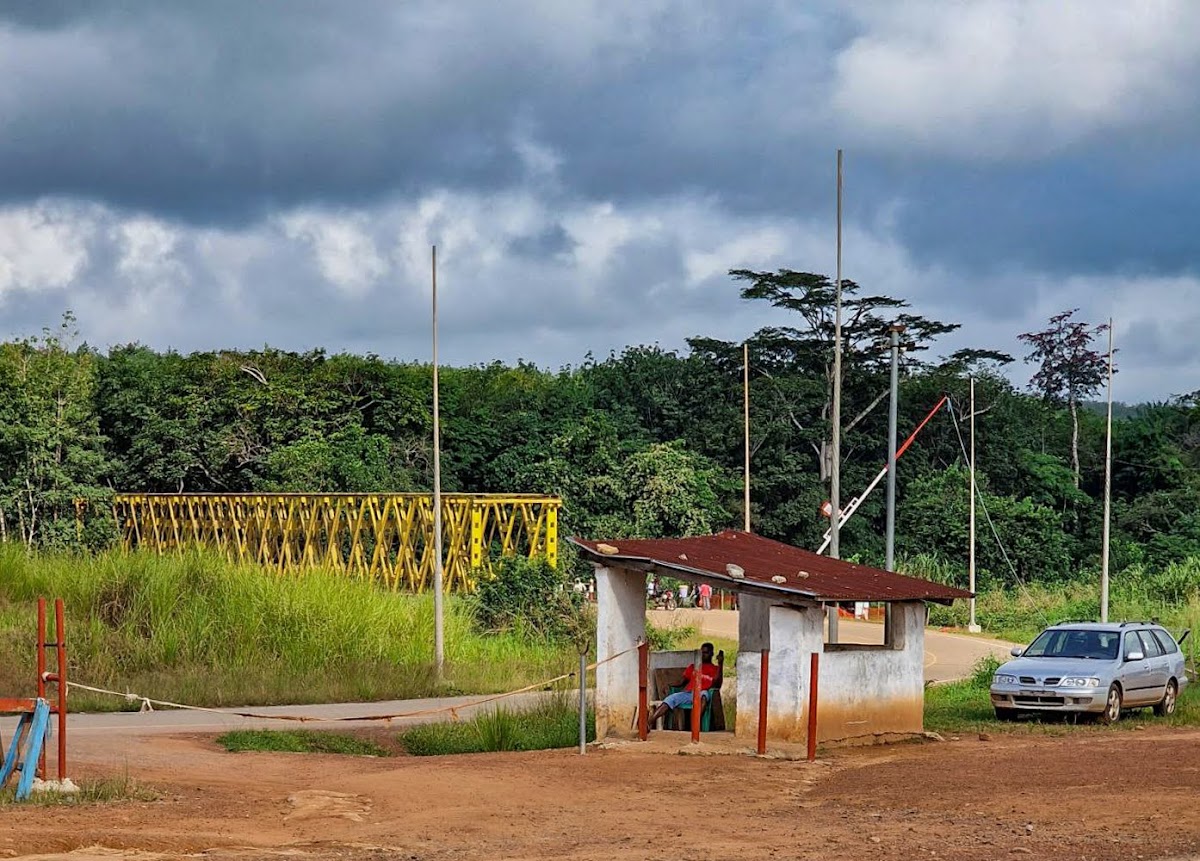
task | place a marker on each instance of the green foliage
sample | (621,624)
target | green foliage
(199,630)
(530,595)
(299,741)
(983,670)
(668,639)
(552,722)
(101,790)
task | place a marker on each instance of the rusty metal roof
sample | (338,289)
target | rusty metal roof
(762,561)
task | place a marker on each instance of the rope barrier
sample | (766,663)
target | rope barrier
(148,703)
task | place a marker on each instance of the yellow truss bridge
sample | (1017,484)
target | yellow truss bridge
(384,537)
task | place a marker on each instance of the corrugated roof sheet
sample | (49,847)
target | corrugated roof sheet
(763,561)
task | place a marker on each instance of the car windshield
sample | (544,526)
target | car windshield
(1074,643)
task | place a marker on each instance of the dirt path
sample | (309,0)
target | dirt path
(948,655)
(1094,794)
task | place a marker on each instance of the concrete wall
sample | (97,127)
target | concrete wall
(620,623)
(862,691)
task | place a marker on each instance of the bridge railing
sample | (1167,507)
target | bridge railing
(382,536)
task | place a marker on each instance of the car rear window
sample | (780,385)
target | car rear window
(1150,644)
(1166,641)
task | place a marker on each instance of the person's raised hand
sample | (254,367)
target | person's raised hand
(721,657)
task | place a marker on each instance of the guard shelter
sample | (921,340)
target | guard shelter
(865,692)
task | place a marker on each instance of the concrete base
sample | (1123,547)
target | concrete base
(974,629)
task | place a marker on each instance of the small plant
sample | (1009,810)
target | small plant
(553,722)
(983,670)
(666,639)
(98,791)
(299,741)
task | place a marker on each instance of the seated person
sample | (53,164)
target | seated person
(711,676)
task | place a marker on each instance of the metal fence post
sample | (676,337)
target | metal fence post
(582,703)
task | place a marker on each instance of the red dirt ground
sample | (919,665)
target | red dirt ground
(1121,795)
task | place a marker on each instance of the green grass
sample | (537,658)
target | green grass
(99,791)
(965,707)
(200,630)
(552,723)
(299,741)
(1171,595)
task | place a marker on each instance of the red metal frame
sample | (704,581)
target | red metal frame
(59,678)
(813,672)
(643,696)
(697,698)
(762,702)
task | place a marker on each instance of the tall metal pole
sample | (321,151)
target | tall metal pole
(835,473)
(1107,485)
(893,406)
(746,433)
(439,634)
(972,626)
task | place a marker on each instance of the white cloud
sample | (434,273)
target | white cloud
(345,253)
(1004,78)
(42,247)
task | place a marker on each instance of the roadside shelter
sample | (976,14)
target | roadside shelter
(865,692)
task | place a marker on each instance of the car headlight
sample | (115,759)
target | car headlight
(1002,679)
(1079,682)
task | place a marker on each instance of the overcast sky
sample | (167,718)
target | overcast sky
(231,174)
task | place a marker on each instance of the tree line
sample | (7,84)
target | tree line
(645,442)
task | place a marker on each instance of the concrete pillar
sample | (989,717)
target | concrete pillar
(792,634)
(620,623)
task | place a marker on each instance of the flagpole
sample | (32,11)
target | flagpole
(1107,485)
(439,644)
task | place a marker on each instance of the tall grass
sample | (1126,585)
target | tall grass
(1171,595)
(552,722)
(202,630)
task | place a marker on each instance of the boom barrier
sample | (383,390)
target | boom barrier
(385,537)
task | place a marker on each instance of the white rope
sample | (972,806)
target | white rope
(148,703)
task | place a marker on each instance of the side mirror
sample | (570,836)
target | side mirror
(1016,651)
(1134,656)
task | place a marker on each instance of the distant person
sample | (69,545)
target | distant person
(683,592)
(711,676)
(705,596)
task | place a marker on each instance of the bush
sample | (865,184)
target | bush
(983,670)
(531,595)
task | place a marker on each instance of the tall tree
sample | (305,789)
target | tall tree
(1069,369)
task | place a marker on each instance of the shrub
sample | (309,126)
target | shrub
(531,595)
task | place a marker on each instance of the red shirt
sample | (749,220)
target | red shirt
(705,590)
(708,674)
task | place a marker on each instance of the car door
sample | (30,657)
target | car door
(1160,668)
(1171,653)
(1135,673)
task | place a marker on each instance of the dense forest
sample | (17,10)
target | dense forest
(645,442)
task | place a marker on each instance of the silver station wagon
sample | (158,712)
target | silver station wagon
(1092,668)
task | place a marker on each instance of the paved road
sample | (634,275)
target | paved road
(948,656)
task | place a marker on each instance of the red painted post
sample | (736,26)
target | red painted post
(643,685)
(41,672)
(61,677)
(697,699)
(812,705)
(762,702)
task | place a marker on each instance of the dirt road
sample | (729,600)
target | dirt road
(948,655)
(1092,794)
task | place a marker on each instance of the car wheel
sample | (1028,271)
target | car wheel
(1167,705)
(1112,706)
(1006,714)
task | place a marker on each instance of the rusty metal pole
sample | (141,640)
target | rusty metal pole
(41,672)
(697,699)
(643,694)
(762,701)
(813,668)
(582,702)
(60,648)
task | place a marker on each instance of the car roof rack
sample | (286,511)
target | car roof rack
(1139,622)
(1075,622)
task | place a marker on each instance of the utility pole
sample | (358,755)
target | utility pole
(890,552)
(746,434)
(972,625)
(439,634)
(835,474)
(1107,484)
